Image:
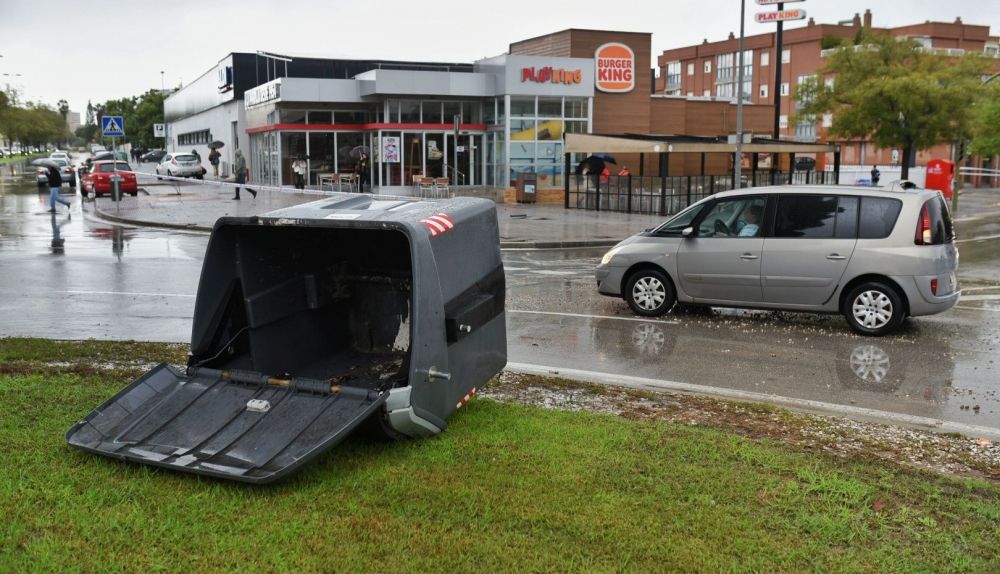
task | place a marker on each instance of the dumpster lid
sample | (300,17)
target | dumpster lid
(229,424)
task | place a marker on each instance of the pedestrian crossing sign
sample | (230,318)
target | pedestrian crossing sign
(113,126)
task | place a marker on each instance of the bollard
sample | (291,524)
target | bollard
(116,190)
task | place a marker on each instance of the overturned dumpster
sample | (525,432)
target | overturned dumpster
(310,321)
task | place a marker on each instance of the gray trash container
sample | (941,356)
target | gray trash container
(310,321)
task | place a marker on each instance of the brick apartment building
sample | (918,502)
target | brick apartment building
(709,70)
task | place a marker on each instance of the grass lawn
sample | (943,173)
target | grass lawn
(506,487)
(14,159)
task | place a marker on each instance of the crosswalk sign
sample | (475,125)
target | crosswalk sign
(113,126)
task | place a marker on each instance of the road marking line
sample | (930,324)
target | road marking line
(127,293)
(977,308)
(984,238)
(584,316)
(964,289)
(992,297)
(789,402)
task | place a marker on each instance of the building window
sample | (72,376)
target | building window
(786,56)
(805,131)
(195,138)
(707,93)
(765,58)
(784,88)
(827,120)
(763,90)
(992,50)
(690,68)
(673,76)
(708,66)
(782,121)
(690,94)
(726,75)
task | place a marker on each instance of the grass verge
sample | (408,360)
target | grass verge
(507,487)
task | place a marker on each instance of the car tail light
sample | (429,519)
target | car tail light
(934,287)
(923,235)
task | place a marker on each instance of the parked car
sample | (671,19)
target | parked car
(94,148)
(59,154)
(180,165)
(4,152)
(98,180)
(153,156)
(65,171)
(874,256)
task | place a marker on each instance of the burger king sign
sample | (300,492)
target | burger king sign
(615,68)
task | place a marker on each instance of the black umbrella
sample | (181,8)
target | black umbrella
(216,144)
(356,151)
(45,162)
(593,164)
(606,157)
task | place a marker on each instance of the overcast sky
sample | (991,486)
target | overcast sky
(100,49)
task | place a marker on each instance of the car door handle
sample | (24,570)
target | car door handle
(836,257)
(748,257)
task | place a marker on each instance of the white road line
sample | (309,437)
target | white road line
(584,316)
(789,402)
(127,293)
(993,297)
(984,238)
(977,308)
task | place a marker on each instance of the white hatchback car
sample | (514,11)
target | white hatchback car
(180,165)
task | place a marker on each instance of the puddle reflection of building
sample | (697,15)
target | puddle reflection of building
(58,244)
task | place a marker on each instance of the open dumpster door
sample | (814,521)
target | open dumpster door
(234,425)
(310,320)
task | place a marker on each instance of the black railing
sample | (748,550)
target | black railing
(654,195)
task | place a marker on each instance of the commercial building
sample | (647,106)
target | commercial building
(512,112)
(709,70)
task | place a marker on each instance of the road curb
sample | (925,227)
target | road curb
(506,245)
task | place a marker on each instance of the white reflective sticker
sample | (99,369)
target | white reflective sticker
(258,406)
(343,216)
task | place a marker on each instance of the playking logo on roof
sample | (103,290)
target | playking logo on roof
(615,68)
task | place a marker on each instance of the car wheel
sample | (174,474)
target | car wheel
(649,293)
(873,309)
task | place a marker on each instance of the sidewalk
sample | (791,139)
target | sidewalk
(196,206)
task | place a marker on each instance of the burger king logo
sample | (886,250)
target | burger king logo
(615,68)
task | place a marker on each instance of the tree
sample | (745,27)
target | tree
(895,93)
(986,133)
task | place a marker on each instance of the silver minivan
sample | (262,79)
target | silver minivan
(874,256)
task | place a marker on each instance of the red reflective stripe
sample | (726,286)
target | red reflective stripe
(466,398)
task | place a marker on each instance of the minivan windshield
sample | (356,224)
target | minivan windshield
(679,222)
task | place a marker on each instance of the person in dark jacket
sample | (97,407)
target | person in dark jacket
(55,184)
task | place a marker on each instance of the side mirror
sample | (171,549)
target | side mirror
(687,232)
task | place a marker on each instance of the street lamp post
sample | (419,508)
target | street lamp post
(738,167)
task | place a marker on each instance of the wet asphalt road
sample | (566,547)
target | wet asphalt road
(70,276)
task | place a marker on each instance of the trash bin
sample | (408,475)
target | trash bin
(526,185)
(941,176)
(310,321)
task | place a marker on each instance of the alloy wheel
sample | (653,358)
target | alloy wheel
(649,293)
(872,309)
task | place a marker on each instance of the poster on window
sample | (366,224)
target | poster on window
(390,150)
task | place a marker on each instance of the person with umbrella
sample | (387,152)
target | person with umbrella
(55,183)
(299,170)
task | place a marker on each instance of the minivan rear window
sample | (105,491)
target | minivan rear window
(878,217)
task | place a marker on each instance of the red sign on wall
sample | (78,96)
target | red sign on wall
(781,16)
(550,74)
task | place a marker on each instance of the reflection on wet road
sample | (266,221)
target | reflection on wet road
(69,276)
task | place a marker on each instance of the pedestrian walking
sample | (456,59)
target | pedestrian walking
(624,172)
(876,174)
(240,168)
(55,184)
(213,158)
(362,171)
(299,170)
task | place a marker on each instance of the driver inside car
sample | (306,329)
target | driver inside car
(749,223)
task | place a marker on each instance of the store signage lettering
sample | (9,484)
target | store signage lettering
(781,16)
(550,74)
(615,68)
(261,94)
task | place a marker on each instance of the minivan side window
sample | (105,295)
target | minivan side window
(847,217)
(878,217)
(812,216)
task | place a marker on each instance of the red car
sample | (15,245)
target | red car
(98,179)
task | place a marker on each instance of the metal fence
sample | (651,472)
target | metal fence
(655,195)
